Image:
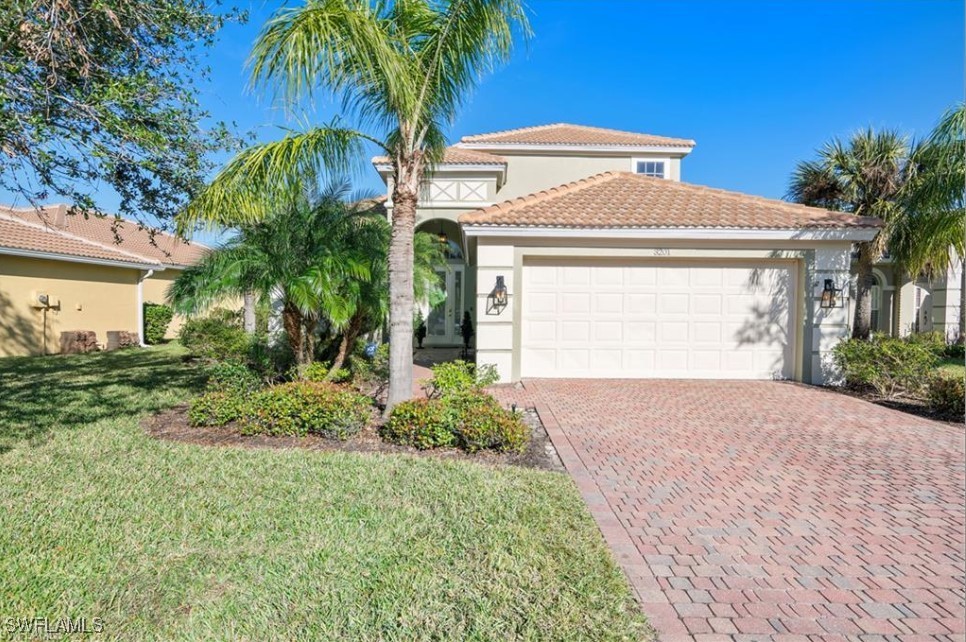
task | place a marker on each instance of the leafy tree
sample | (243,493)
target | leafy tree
(932,232)
(864,176)
(101,92)
(401,70)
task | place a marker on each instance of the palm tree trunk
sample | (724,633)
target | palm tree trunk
(250,312)
(862,325)
(292,322)
(348,338)
(404,197)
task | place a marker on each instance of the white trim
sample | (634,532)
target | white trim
(53,256)
(386,168)
(700,233)
(591,149)
(638,159)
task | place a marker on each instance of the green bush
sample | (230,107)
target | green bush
(231,376)
(471,421)
(423,423)
(319,371)
(213,339)
(306,407)
(888,365)
(371,371)
(955,351)
(460,377)
(934,341)
(482,424)
(157,318)
(947,395)
(216,408)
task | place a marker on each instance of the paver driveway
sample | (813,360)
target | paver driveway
(763,510)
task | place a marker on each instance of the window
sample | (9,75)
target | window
(876,296)
(650,168)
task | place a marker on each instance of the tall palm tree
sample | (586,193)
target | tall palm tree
(312,253)
(932,232)
(401,70)
(864,176)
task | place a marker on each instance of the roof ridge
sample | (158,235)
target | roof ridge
(512,130)
(552,192)
(75,237)
(670,141)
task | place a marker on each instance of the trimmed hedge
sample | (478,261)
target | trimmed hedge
(300,408)
(888,365)
(157,318)
(213,339)
(947,395)
(216,408)
(423,423)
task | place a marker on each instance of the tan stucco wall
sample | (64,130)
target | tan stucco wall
(527,174)
(91,297)
(155,290)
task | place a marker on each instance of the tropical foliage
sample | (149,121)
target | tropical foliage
(322,256)
(401,71)
(105,93)
(864,176)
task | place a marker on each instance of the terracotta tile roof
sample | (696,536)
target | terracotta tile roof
(460,156)
(626,200)
(119,239)
(18,234)
(566,134)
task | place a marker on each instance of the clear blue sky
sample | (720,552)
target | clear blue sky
(759,85)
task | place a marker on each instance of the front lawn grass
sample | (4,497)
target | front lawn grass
(172,541)
(949,367)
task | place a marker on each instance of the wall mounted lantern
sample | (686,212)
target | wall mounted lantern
(496,301)
(831,295)
(442,234)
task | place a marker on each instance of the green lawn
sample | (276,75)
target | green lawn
(952,368)
(179,542)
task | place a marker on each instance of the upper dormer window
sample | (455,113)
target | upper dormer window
(650,168)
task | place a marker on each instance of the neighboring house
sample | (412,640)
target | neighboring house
(613,267)
(902,305)
(96,272)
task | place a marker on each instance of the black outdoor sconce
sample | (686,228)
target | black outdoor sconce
(497,299)
(831,295)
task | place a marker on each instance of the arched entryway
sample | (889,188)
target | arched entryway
(443,319)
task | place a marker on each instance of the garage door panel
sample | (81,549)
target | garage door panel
(657,320)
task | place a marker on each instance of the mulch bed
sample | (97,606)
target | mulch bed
(910,406)
(173,425)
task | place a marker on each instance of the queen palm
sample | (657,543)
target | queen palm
(864,176)
(932,232)
(401,71)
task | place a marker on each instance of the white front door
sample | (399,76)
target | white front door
(658,319)
(443,321)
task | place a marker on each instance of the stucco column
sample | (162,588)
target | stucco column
(828,325)
(946,299)
(494,326)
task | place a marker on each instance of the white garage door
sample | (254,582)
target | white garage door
(658,319)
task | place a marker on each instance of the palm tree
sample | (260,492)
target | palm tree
(932,232)
(312,254)
(401,70)
(863,176)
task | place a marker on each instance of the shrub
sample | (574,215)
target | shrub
(371,371)
(306,407)
(231,376)
(890,366)
(483,424)
(955,351)
(157,317)
(213,339)
(934,341)
(947,395)
(216,408)
(423,423)
(459,377)
(319,371)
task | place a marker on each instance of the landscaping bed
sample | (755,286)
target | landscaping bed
(173,425)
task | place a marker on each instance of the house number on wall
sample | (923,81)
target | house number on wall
(662,251)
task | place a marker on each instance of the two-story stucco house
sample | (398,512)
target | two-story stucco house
(580,252)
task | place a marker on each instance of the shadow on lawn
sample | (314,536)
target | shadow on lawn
(40,395)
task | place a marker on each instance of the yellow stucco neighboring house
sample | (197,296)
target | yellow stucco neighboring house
(63,272)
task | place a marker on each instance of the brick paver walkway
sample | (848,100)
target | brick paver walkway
(768,511)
